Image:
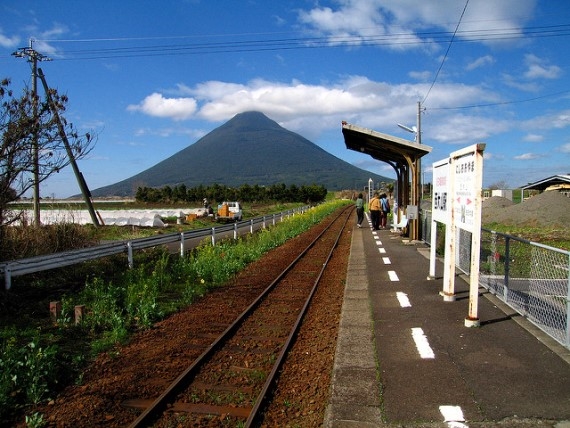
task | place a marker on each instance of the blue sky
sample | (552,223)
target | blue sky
(152,77)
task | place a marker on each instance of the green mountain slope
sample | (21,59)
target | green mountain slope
(248,149)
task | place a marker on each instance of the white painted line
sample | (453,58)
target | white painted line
(393,275)
(386,260)
(382,250)
(453,416)
(378,242)
(422,343)
(403,299)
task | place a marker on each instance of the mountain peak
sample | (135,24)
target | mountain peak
(248,149)
(250,120)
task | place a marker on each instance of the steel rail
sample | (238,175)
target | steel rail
(260,400)
(147,417)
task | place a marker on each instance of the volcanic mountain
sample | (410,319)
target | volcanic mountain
(248,149)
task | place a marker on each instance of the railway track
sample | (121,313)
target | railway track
(231,381)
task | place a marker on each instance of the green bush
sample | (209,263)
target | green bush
(27,373)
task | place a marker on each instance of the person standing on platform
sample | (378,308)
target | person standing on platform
(374,207)
(385,205)
(359,210)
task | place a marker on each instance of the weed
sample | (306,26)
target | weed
(257,375)
(35,420)
(26,372)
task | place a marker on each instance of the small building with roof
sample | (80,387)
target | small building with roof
(559,183)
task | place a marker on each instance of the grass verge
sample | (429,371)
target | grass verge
(41,356)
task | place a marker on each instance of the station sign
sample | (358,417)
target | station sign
(456,202)
(466,190)
(439,206)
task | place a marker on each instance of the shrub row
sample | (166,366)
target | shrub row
(245,193)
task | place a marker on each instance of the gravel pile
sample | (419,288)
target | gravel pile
(548,209)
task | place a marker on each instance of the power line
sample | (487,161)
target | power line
(273,44)
(446,52)
(503,102)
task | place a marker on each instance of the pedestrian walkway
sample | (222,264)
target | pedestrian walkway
(405,358)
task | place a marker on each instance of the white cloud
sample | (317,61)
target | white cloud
(539,68)
(552,120)
(527,156)
(9,42)
(565,148)
(465,129)
(480,62)
(533,138)
(166,132)
(492,156)
(43,39)
(158,106)
(422,76)
(403,21)
(310,109)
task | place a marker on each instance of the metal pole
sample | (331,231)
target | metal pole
(35,149)
(33,57)
(419,184)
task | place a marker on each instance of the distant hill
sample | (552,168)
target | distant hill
(248,149)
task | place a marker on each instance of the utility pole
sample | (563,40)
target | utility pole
(419,141)
(80,180)
(33,57)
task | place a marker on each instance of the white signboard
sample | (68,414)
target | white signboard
(456,201)
(439,205)
(466,190)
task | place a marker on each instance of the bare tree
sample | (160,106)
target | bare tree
(499,185)
(32,142)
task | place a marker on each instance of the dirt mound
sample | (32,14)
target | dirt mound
(496,202)
(548,209)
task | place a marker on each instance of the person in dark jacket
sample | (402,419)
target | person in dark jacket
(359,210)
(385,210)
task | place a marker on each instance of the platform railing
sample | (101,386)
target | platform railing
(531,278)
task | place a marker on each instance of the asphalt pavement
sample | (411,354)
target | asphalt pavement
(405,358)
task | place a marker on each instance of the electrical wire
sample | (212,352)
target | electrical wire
(555,94)
(446,53)
(273,44)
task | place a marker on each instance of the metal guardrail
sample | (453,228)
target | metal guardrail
(20,267)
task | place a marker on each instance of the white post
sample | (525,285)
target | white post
(472,319)
(130,254)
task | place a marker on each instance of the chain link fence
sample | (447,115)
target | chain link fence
(532,278)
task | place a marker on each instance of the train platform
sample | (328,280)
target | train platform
(405,358)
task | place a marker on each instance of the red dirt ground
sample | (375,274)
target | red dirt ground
(127,372)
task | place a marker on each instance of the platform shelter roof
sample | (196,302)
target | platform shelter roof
(383,147)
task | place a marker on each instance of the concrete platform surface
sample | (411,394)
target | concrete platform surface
(406,359)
